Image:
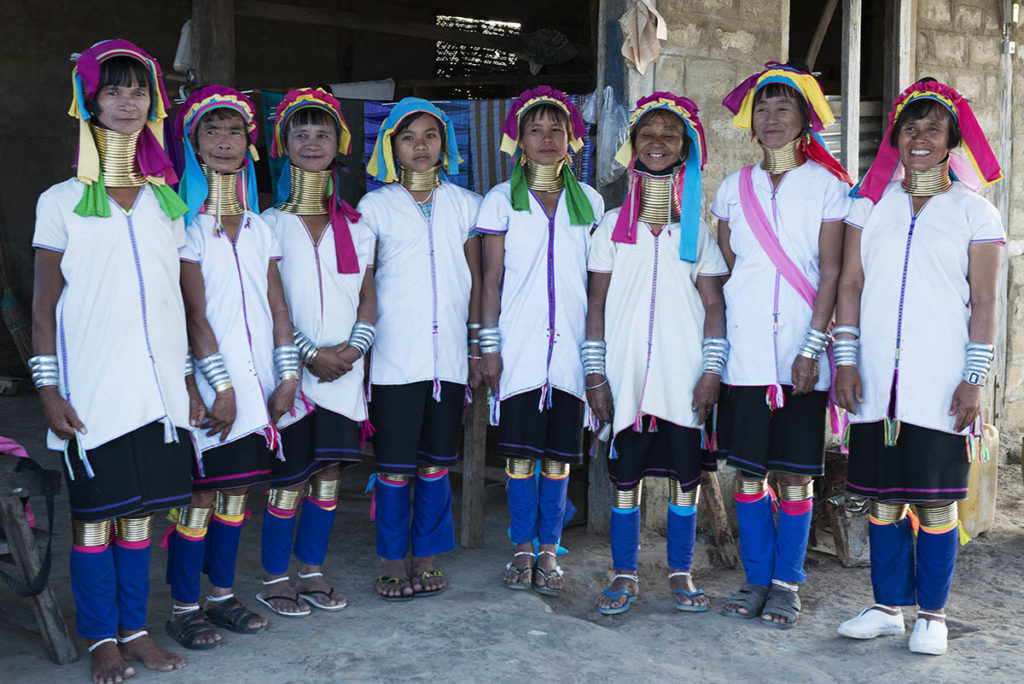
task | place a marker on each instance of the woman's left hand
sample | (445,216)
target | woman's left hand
(282,400)
(705,395)
(805,374)
(966,405)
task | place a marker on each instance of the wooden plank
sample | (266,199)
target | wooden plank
(712,502)
(213,41)
(898,49)
(819,33)
(852,19)
(599,496)
(474,457)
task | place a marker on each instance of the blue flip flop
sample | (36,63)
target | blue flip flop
(690,595)
(630,597)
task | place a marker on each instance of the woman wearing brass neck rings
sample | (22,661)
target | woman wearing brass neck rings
(919,279)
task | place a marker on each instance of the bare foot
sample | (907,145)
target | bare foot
(683,582)
(547,560)
(152,656)
(313,583)
(625,580)
(424,578)
(107,664)
(399,587)
(282,597)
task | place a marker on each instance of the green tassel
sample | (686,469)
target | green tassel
(518,191)
(172,205)
(94,200)
(891,428)
(581,213)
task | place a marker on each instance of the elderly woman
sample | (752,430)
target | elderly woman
(919,278)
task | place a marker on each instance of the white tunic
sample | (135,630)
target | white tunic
(916,296)
(323,305)
(121,343)
(653,320)
(235,281)
(758,299)
(544,291)
(423,284)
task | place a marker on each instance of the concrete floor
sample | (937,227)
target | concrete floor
(478,630)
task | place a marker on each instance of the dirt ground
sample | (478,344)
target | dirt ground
(478,630)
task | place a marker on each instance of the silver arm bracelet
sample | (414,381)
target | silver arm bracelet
(362,336)
(474,326)
(846,351)
(715,352)
(847,329)
(286,361)
(592,354)
(978,362)
(490,340)
(190,364)
(45,372)
(307,349)
(212,368)
(813,344)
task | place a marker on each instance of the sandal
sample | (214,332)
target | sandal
(545,575)
(266,600)
(311,595)
(630,596)
(751,597)
(229,613)
(785,604)
(186,628)
(423,577)
(524,576)
(400,582)
(688,608)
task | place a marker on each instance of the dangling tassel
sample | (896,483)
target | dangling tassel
(436,393)
(370,487)
(638,424)
(844,444)
(654,425)
(366,429)
(962,533)
(469,396)
(708,441)
(590,421)
(774,397)
(495,406)
(272,436)
(545,399)
(977,445)
(891,427)
(305,402)
(67,462)
(197,452)
(170,434)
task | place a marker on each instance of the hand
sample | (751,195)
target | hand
(966,405)
(805,374)
(328,365)
(196,407)
(60,415)
(705,395)
(282,400)
(490,369)
(221,415)
(849,392)
(476,374)
(600,398)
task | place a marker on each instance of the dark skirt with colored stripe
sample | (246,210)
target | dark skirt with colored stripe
(924,465)
(321,439)
(411,427)
(242,463)
(555,432)
(669,450)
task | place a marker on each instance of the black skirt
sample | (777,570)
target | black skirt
(669,451)
(321,439)
(554,433)
(242,463)
(411,427)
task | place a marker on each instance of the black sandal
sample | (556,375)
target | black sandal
(751,597)
(423,577)
(230,614)
(400,582)
(186,628)
(785,604)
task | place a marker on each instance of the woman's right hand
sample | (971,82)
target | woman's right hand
(600,398)
(60,415)
(329,364)
(849,392)
(490,369)
(221,415)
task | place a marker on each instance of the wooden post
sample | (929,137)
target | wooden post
(712,502)
(474,461)
(599,497)
(213,41)
(1003,191)
(899,50)
(852,14)
(819,33)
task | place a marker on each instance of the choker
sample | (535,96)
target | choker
(118,158)
(308,192)
(785,158)
(933,181)
(222,198)
(418,181)
(544,177)
(658,203)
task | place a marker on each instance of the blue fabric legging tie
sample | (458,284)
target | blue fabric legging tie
(393,511)
(222,539)
(624,534)
(757,536)
(278,533)
(552,503)
(132,563)
(680,536)
(936,559)
(433,530)
(522,508)
(185,556)
(315,530)
(791,541)
(94,585)
(892,562)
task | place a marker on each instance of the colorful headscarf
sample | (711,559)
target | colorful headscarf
(194,188)
(581,213)
(741,103)
(152,157)
(688,181)
(887,162)
(382,162)
(340,211)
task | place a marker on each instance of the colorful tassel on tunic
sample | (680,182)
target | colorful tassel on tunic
(366,429)
(774,397)
(977,445)
(891,428)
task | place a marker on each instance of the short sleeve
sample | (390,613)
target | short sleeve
(602,252)
(275,244)
(837,200)
(492,219)
(51,231)
(860,210)
(178,231)
(471,205)
(709,257)
(720,207)
(368,215)
(192,250)
(986,225)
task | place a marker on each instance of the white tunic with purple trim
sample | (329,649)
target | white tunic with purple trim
(766,318)
(916,300)
(654,320)
(121,342)
(423,284)
(543,294)
(323,305)
(235,281)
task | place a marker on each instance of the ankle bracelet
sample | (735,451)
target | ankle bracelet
(108,640)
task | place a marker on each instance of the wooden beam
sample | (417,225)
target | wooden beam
(599,493)
(852,18)
(819,33)
(213,41)
(899,49)
(474,461)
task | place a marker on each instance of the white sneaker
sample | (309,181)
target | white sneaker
(929,637)
(873,622)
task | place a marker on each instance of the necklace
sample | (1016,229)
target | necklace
(118,158)
(929,182)
(308,193)
(544,177)
(417,181)
(785,158)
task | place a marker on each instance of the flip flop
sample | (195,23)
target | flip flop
(539,573)
(524,578)
(311,595)
(400,582)
(423,577)
(691,608)
(265,600)
(630,596)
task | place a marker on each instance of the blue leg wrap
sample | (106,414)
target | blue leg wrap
(276,551)
(892,562)
(314,532)
(936,558)
(132,585)
(791,542)
(552,501)
(94,584)
(222,541)
(757,539)
(522,508)
(433,530)
(680,536)
(392,518)
(185,558)
(624,533)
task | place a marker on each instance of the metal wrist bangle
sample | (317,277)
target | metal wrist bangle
(286,361)
(45,370)
(363,333)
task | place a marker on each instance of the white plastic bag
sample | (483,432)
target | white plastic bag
(611,130)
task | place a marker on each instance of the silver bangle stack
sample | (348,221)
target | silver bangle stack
(307,350)
(846,350)
(362,336)
(212,368)
(490,340)
(45,372)
(715,352)
(190,364)
(977,363)
(592,353)
(814,344)
(471,327)
(286,361)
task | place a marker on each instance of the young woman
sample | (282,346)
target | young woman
(918,289)
(327,270)
(780,228)
(656,312)
(109,337)
(427,265)
(537,235)
(239,331)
